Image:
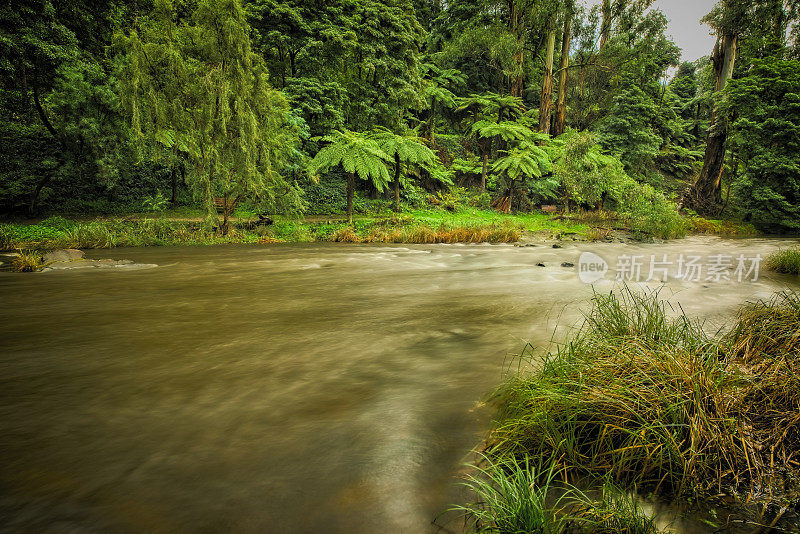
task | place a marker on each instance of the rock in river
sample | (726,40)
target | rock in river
(66,254)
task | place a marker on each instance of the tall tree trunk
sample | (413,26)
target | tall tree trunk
(706,195)
(397,183)
(174,177)
(518,84)
(34,199)
(516,26)
(561,104)
(351,186)
(432,122)
(547,83)
(33,206)
(483,171)
(605,29)
(225,214)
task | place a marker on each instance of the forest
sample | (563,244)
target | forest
(303,108)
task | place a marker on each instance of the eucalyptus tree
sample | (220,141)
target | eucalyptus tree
(729,20)
(196,87)
(563,69)
(359,154)
(407,149)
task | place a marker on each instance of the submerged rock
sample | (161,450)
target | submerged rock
(62,255)
(95,264)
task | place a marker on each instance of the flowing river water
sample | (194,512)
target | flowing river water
(291,388)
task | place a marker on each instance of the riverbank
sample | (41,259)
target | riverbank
(643,399)
(421,226)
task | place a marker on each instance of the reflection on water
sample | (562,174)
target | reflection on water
(314,388)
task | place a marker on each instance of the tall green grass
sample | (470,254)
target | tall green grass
(642,396)
(517,495)
(785,261)
(103,234)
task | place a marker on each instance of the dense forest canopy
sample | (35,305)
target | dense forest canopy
(298,106)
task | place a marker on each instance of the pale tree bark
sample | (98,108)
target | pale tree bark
(561,102)
(705,196)
(515,23)
(547,83)
(605,29)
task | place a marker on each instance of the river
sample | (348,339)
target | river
(289,388)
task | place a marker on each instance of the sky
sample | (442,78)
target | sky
(684,25)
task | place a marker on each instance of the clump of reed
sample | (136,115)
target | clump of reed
(514,495)
(28,261)
(784,261)
(643,396)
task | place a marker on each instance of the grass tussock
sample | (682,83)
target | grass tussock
(519,495)
(641,394)
(28,261)
(423,234)
(722,228)
(785,261)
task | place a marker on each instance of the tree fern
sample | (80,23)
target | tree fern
(506,130)
(407,149)
(359,155)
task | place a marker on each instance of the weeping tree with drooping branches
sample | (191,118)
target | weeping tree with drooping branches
(193,87)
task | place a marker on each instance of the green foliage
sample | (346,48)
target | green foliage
(407,149)
(628,131)
(512,496)
(589,177)
(785,261)
(193,88)
(766,137)
(506,130)
(363,54)
(157,202)
(525,167)
(357,153)
(650,401)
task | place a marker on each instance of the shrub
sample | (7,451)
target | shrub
(785,261)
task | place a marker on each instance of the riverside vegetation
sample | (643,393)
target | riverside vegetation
(296,108)
(642,399)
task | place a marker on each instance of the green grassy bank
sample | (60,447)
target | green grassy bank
(417,226)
